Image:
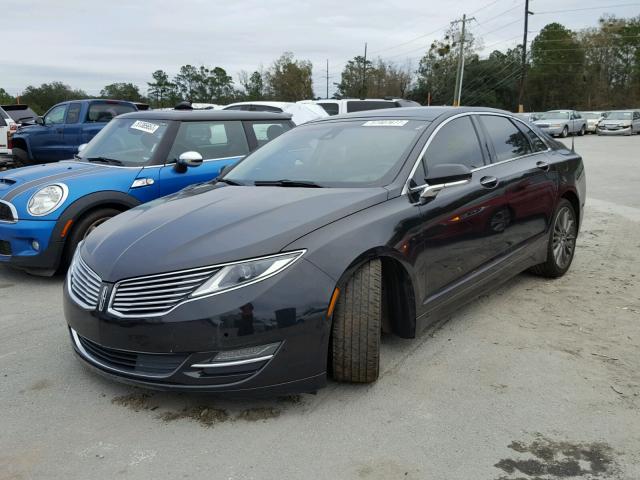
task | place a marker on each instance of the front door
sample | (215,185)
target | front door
(220,143)
(460,224)
(47,140)
(72,131)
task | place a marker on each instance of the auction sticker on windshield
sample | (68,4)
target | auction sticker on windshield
(146,127)
(385,123)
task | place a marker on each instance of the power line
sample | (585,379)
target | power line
(635,4)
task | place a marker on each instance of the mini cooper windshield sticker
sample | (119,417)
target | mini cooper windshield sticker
(146,127)
(385,123)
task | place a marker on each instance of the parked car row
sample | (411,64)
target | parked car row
(565,122)
(247,274)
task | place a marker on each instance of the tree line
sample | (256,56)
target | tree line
(593,68)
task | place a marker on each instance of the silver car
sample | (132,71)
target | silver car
(621,122)
(562,122)
(592,118)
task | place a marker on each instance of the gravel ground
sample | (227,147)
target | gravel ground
(538,380)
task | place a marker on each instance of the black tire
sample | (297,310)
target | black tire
(557,265)
(582,131)
(82,228)
(20,157)
(357,326)
(565,132)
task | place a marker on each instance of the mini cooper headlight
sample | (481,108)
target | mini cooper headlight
(239,274)
(47,199)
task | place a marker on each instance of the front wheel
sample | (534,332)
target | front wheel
(582,131)
(82,229)
(565,132)
(562,242)
(357,326)
(20,157)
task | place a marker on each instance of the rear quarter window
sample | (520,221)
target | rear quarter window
(361,105)
(104,112)
(331,108)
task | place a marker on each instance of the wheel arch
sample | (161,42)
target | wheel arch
(399,312)
(572,197)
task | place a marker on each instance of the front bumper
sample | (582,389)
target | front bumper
(17,246)
(620,131)
(552,130)
(167,352)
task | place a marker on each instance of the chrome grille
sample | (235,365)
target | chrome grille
(155,295)
(84,283)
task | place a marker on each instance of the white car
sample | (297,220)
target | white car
(301,112)
(7,126)
(348,105)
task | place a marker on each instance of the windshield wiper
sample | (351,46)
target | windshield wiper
(111,161)
(286,183)
(229,182)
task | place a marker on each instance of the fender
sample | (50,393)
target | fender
(89,202)
(19,141)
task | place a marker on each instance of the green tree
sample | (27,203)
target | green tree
(289,80)
(5,98)
(160,89)
(41,98)
(382,79)
(253,85)
(122,91)
(351,79)
(188,82)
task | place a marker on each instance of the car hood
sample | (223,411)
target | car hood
(616,123)
(212,224)
(37,175)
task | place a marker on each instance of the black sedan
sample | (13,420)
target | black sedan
(289,267)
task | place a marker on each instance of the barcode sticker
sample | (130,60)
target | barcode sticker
(385,123)
(146,127)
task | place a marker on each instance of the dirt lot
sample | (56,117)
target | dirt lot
(538,380)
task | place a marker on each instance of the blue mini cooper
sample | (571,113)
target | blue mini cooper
(46,210)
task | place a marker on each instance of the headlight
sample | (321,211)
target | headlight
(240,274)
(47,199)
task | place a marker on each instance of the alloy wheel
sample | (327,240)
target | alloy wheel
(564,237)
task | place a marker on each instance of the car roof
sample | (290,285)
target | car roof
(204,115)
(261,102)
(411,113)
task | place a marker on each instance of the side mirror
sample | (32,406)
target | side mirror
(82,147)
(39,120)
(443,176)
(189,159)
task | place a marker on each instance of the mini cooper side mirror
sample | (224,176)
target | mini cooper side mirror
(189,159)
(443,176)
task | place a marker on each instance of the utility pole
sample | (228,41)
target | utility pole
(363,93)
(327,79)
(457,94)
(523,76)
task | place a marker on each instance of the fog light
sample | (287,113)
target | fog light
(35,245)
(241,356)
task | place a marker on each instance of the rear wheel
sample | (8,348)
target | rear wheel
(562,242)
(82,229)
(357,324)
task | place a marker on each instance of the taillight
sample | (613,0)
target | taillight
(13,127)
(10,140)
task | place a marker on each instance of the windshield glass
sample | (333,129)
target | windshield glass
(554,116)
(126,141)
(591,115)
(619,116)
(356,153)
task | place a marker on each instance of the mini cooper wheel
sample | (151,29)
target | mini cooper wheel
(357,326)
(83,228)
(562,242)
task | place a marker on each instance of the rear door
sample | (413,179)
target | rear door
(528,181)
(220,143)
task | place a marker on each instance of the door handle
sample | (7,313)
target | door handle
(542,165)
(489,182)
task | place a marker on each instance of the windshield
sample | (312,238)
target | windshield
(554,116)
(591,115)
(619,116)
(357,153)
(126,141)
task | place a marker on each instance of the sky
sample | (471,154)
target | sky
(88,44)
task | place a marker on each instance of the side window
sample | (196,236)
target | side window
(456,142)
(210,139)
(331,108)
(264,108)
(507,140)
(55,115)
(237,107)
(73,115)
(267,131)
(105,111)
(536,142)
(363,105)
